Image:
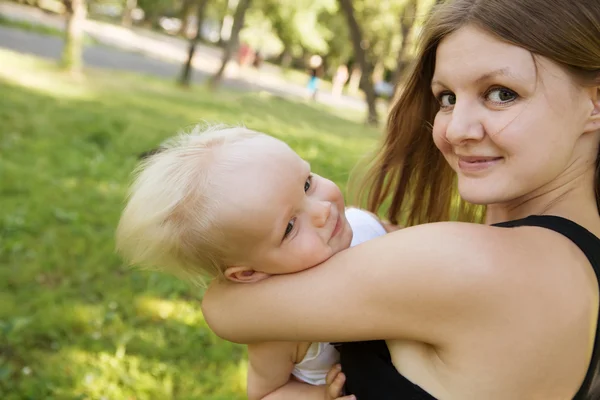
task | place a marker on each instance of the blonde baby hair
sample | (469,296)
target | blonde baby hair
(169,222)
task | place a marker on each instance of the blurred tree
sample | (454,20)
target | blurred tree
(258,32)
(379,23)
(155,9)
(72,57)
(361,57)
(411,19)
(232,43)
(214,14)
(283,24)
(407,19)
(186,73)
(339,47)
(288,29)
(187,9)
(381,39)
(297,24)
(126,16)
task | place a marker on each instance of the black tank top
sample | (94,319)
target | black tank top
(370,374)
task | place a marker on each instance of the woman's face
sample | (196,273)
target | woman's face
(510,129)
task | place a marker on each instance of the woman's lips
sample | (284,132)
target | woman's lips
(477,163)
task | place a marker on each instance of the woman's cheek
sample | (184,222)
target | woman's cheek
(439,138)
(440,126)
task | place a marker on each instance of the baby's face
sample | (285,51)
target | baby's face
(284,218)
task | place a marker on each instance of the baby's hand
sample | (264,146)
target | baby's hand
(335,384)
(389,227)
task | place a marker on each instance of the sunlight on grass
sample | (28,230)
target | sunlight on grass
(52,82)
(178,310)
(108,376)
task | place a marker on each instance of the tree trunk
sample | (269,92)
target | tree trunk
(126,19)
(186,72)
(232,43)
(378,71)
(186,11)
(279,25)
(361,57)
(284,59)
(354,82)
(407,19)
(73,47)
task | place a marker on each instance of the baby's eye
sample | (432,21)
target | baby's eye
(289,228)
(308,183)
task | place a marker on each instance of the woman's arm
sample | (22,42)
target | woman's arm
(424,283)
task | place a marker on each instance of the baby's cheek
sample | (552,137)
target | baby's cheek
(315,250)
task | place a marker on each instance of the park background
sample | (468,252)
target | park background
(86,86)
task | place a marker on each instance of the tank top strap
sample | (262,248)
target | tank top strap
(590,246)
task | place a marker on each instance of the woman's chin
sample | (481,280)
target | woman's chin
(480,197)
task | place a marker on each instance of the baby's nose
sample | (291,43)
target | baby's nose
(320,213)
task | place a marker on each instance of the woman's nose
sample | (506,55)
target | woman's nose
(464,125)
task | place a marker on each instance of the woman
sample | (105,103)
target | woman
(503,108)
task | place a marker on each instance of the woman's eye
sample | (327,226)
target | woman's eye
(308,183)
(501,95)
(447,100)
(289,228)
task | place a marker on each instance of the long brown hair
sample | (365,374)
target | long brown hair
(409,174)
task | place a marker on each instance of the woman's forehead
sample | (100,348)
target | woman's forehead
(474,55)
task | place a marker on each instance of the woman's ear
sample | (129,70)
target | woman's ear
(244,275)
(593,124)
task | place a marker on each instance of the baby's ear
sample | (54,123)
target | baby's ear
(244,275)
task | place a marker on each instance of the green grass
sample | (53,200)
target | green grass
(74,322)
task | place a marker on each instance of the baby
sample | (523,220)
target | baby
(231,203)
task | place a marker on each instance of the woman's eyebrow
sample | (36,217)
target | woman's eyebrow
(494,74)
(482,78)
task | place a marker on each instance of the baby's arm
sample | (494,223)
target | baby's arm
(269,367)
(269,374)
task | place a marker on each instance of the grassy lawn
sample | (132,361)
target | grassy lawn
(74,322)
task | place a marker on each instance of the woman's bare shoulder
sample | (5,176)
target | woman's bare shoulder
(495,249)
